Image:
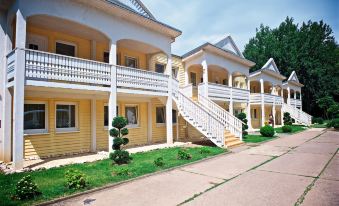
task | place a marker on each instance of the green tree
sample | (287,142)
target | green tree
(309,49)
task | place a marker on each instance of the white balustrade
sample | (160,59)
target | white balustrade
(48,66)
(295,102)
(298,114)
(201,119)
(175,87)
(10,64)
(131,78)
(268,99)
(231,123)
(187,90)
(219,91)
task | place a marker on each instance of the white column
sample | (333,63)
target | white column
(93,125)
(230,80)
(273,114)
(205,77)
(169,124)
(281,111)
(149,122)
(288,96)
(112,102)
(295,98)
(19,92)
(262,102)
(186,76)
(230,84)
(301,102)
(6,106)
(248,109)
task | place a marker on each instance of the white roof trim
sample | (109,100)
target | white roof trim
(270,65)
(293,77)
(228,44)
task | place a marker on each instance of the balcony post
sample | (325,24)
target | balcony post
(6,111)
(169,124)
(288,96)
(205,77)
(248,109)
(295,98)
(112,103)
(301,103)
(93,125)
(19,92)
(230,84)
(262,102)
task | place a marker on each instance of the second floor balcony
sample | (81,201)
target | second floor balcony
(258,98)
(223,92)
(54,70)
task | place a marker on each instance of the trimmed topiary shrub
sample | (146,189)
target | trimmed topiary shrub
(183,155)
(287,128)
(267,131)
(159,162)
(75,179)
(26,189)
(118,132)
(287,119)
(242,117)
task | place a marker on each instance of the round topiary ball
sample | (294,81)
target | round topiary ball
(286,129)
(119,122)
(267,131)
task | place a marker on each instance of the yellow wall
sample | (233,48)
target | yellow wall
(158,130)
(101,132)
(256,123)
(54,143)
(83,45)
(217,76)
(141,57)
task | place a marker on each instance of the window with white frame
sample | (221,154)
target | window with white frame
(175,72)
(106,115)
(66,116)
(160,68)
(131,113)
(65,48)
(174,116)
(160,115)
(35,117)
(131,62)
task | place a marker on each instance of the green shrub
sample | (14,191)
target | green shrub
(159,162)
(267,131)
(120,157)
(333,123)
(118,132)
(204,150)
(287,119)
(75,179)
(287,128)
(317,120)
(26,189)
(183,155)
(242,117)
(122,172)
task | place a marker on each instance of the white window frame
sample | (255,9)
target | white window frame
(160,124)
(68,43)
(137,115)
(130,57)
(70,129)
(38,131)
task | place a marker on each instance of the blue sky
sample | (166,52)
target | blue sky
(210,20)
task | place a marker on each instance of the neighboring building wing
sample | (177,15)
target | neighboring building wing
(270,65)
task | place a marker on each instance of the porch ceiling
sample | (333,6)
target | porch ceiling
(66,26)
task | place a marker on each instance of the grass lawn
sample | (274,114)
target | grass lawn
(51,182)
(295,128)
(319,125)
(253,138)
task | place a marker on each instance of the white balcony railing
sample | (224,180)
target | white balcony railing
(219,91)
(50,67)
(137,79)
(295,102)
(267,99)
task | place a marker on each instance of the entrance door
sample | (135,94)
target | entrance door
(194,79)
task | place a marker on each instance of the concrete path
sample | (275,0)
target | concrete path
(296,169)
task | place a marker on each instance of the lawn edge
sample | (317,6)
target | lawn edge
(112,185)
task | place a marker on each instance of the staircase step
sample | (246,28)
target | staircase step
(230,140)
(235,144)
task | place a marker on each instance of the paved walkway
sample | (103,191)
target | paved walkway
(301,168)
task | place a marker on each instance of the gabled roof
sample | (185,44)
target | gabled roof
(293,79)
(226,46)
(271,68)
(135,5)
